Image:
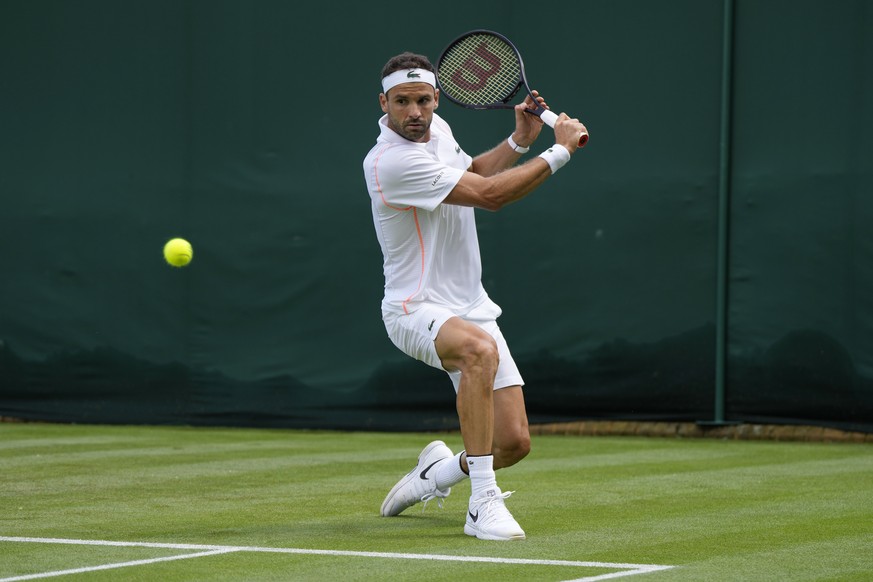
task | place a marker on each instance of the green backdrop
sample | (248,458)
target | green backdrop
(707,257)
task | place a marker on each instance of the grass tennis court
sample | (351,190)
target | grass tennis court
(182,503)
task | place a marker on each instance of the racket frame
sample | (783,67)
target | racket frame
(548,116)
(504,103)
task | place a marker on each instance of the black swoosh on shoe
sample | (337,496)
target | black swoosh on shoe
(423,474)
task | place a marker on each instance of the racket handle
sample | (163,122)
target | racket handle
(550,117)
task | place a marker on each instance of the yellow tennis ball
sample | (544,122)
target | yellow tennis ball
(178,252)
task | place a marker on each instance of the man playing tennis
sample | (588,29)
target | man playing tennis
(424,189)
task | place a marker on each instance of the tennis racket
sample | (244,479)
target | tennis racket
(483,70)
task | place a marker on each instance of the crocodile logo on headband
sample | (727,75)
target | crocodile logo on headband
(413,75)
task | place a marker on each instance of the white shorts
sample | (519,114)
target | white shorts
(414,335)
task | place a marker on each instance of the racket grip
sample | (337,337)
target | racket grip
(550,117)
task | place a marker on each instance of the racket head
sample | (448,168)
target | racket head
(480,69)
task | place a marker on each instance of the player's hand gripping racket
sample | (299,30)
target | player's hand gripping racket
(483,70)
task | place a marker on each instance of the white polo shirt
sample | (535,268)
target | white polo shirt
(430,249)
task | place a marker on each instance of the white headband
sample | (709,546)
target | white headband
(408,76)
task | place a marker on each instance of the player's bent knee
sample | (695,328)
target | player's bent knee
(481,351)
(512,451)
(521,448)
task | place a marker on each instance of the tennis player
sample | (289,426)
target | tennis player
(424,189)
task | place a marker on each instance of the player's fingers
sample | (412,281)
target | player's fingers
(565,117)
(536,99)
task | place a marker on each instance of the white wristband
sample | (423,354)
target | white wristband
(556,156)
(517,148)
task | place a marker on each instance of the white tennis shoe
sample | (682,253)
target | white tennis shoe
(420,483)
(488,518)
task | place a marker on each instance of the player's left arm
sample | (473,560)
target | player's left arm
(502,156)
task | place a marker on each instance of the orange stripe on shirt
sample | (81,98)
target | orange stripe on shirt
(379,186)
(421,246)
(414,217)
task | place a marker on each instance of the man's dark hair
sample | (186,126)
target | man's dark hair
(406,60)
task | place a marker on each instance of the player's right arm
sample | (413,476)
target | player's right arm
(494,192)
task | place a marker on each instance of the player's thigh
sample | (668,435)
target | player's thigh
(414,333)
(459,340)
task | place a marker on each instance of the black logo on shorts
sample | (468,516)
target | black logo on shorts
(430,327)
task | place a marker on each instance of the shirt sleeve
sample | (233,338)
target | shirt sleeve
(412,177)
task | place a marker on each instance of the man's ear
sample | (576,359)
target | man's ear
(383,102)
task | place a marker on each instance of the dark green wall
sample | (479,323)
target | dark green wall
(242,127)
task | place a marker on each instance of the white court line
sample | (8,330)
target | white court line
(111,566)
(207,550)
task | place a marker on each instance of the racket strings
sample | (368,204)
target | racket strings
(480,70)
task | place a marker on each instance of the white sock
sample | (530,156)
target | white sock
(482,476)
(450,473)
